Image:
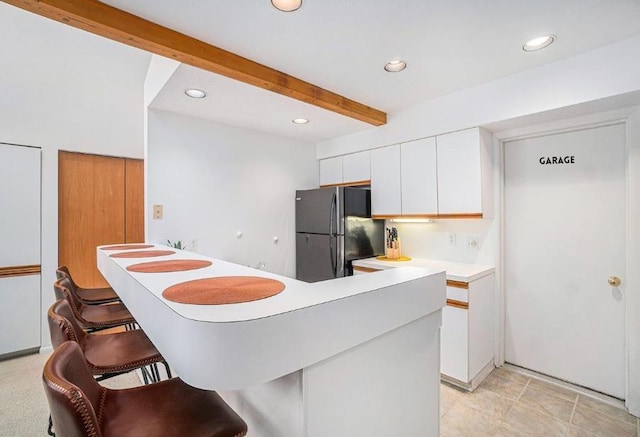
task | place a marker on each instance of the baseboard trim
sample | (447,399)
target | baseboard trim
(610,400)
(46,349)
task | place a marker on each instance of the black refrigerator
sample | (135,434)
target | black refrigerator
(333,228)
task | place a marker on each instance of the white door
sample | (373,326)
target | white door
(565,218)
(19,249)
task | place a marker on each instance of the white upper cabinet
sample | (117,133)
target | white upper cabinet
(419,177)
(356,167)
(464,173)
(386,191)
(447,176)
(331,171)
(20,203)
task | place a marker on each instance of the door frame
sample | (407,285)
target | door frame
(617,117)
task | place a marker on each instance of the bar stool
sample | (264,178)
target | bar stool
(93,317)
(106,354)
(90,296)
(80,406)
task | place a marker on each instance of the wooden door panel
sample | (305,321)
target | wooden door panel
(75,214)
(93,192)
(108,208)
(134,201)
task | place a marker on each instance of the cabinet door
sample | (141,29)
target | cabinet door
(19,206)
(459,172)
(356,167)
(419,177)
(454,335)
(386,188)
(19,313)
(331,171)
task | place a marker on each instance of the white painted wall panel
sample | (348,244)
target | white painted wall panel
(215,180)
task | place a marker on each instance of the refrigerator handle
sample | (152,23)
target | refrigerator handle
(333,236)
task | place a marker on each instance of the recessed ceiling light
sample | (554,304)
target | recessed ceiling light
(195,93)
(395,66)
(300,120)
(538,43)
(287,5)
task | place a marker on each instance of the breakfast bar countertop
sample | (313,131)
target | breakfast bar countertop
(454,271)
(288,331)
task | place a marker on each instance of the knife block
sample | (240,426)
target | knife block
(394,251)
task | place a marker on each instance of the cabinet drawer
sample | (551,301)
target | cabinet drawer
(458,291)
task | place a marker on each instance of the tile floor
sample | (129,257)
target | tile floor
(512,404)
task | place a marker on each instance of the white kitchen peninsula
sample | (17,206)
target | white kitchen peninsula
(356,356)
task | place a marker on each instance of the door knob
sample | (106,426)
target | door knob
(614,281)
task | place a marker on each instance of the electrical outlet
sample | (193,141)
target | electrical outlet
(452,239)
(472,242)
(193,245)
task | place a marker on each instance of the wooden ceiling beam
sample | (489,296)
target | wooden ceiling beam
(115,24)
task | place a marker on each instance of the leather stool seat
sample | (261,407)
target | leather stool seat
(89,296)
(93,317)
(105,353)
(80,406)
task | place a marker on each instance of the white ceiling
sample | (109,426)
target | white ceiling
(342,45)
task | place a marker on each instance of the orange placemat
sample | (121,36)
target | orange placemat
(179,265)
(223,290)
(142,254)
(128,247)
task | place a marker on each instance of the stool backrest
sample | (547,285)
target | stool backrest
(72,392)
(63,325)
(63,290)
(63,272)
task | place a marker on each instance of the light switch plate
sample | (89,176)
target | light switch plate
(157,211)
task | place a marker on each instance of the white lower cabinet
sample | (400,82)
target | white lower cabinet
(19,313)
(454,340)
(467,332)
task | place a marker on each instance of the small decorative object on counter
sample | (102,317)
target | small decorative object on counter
(177,245)
(392,250)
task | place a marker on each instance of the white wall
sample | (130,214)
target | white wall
(633,261)
(214,180)
(431,240)
(66,89)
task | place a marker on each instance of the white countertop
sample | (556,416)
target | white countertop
(239,345)
(454,271)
